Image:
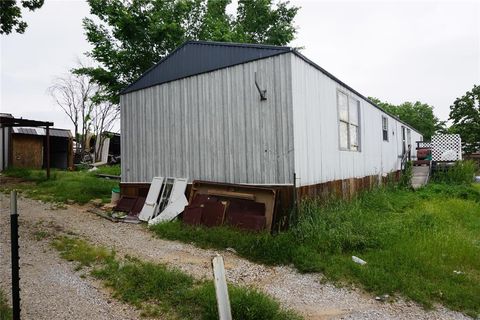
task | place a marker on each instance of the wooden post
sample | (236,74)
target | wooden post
(221,289)
(48,152)
(15,256)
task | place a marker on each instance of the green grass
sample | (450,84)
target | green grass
(112,170)
(40,235)
(158,290)
(78,250)
(413,241)
(63,186)
(5,310)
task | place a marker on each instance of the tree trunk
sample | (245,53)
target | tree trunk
(76,136)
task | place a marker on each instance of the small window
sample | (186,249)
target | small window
(349,122)
(385,128)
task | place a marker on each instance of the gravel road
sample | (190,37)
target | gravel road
(51,289)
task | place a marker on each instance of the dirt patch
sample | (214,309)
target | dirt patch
(11,182)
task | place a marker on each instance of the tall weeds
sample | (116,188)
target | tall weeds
(462,172)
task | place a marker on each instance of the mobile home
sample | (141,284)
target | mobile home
(257,115)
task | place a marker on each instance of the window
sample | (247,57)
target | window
(349,122)
(385,128)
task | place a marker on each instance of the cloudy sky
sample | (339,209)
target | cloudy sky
(394,50)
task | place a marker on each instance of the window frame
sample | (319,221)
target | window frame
(349,123)
(385,129)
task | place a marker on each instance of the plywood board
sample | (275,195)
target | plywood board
(27,151)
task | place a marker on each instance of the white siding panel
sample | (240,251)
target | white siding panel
(212,126)
(318,157)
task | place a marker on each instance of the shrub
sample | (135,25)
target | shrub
(406,177)
(462,172)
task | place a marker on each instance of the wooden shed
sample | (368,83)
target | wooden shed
(25,147)
(257,115)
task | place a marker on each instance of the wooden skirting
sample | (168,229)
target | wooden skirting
(134,189)
(344,189)
(340,189)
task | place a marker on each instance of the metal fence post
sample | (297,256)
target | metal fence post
(15,256)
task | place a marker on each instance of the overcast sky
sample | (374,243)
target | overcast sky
(394,50)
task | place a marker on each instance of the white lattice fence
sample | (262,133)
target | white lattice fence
(446,147)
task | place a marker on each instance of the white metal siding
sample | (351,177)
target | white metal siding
(212,126)
(316,133)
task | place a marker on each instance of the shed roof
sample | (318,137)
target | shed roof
(195,57)
(54,132)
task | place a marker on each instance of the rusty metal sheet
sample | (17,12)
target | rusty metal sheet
(213,213)
(192,215)
(246,207)
(229,191)
(125,204)
(137,207)
(200,199)
(247,221)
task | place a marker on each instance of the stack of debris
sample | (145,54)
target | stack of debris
(211,204)
(246,207)
(164,202)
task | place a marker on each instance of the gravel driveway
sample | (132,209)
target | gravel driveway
(51,289)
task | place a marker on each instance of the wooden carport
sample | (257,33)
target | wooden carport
(10,122)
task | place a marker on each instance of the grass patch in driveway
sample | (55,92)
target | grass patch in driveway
(63,186)
(113,170)
(73,249)
(5,310)
(159,290)
(424,245)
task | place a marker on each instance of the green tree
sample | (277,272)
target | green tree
(11,14)
(130,36)
(465,116)
(419,115)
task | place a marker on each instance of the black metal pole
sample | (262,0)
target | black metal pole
(15,256)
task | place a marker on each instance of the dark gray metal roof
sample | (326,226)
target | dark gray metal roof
(63,133)
(196,57)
